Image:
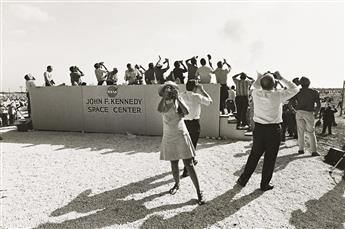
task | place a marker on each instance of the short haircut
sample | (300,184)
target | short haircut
(193,60)
(233,87)
(129,65)
(219,64)
(176,64)
(49,66)
(190,85)
(203,61)
(304,81)
(267,82)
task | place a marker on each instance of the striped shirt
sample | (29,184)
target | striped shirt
(242,87)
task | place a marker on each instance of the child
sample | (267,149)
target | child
(328,119)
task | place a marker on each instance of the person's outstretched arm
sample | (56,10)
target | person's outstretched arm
(184,66)
(209,61)
(257,83)
(159,60)
(291,90)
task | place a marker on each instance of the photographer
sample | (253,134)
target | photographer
(176,143)
(131,75)
(76,75)
(112,77)
(100,72)
(159,71)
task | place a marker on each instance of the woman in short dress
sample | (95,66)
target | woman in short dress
(176,142)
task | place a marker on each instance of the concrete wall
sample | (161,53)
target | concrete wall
(130,109)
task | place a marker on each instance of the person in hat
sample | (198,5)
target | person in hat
(176,143)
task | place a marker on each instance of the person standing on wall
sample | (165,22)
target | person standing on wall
(101,73)
(76,75)
(306,112)
(222,78)
(204,72)
(267,133)
(131,75)
(176,143)
(177,73)
(48,77)
(159,71)
(192,67)
(242,92)
(194,101)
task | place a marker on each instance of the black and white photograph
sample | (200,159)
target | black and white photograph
(172,114)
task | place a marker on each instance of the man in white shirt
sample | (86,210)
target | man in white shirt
(194,100)
(131,75)
(267,132)
(48,77)
(204,72)
(101,74)
(230,101)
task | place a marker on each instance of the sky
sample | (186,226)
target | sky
(297,38)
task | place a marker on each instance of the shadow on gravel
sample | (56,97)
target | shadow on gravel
(111,207)
(109,143)
(205,216)
(281,163)
(326,212)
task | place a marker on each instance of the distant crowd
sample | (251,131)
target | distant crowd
(235,99)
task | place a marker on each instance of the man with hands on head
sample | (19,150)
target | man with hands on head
(241,99)
(267,133)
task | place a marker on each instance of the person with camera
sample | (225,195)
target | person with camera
(192,67)
(194,100)
(48,77)
(267,132)
(176,143)
(241,100)
(112,77)
(131,75)
(307,108)
(159,71)
(76,75)
(176,74)
(100,72)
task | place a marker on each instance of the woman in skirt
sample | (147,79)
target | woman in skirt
(176,142)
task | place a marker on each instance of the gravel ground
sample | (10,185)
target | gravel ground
(75,180)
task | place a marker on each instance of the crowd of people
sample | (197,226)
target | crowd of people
(294,108)
(10,110)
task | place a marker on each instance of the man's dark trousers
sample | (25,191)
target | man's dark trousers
(242,107)
(266,139)
(193,127)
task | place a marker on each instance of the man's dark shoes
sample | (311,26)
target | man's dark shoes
(201,199)
(315,154)
(195,162)
(185,173)
(174,189)
(266,188)
(240,183)
(300,151)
